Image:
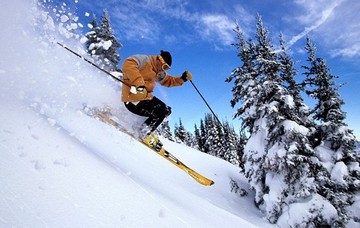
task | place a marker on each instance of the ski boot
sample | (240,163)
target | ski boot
(153,141)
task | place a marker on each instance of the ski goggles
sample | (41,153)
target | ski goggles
(164,65)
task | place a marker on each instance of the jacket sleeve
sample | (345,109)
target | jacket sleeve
(131,70)
(171,81)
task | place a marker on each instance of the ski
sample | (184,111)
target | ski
(104,116)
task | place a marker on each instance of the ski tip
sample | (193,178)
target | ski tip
(209,183)
(203,180)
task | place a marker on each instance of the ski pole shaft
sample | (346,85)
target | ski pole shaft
(197,90)
(88,61)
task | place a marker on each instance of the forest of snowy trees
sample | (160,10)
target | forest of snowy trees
(212,137)
(294,156)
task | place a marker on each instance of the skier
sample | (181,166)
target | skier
(141,72)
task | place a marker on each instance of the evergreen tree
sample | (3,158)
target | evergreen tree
(176,129)
(197,138)
(92,36)
(219,149)
(288,71)
(111,56)
(179,133)
(219,141)
(230,145)
(203,136)
(190,140)
(212,144)
(241,147)
(336,147)
(279,160)
(165,130)
(245,80)
(287,75)
(102,44)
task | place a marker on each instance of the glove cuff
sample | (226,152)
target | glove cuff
(183,76)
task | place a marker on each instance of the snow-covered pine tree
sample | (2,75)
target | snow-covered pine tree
(111,56)
(179,132)
(165,130)
(102,44)
(92,36)
(245,80)
(203,135)
(93,40)
(246,87)
(181,135)
(197,138)
(287,74)
(278,157)
(213,141)
(243,138)
(230,145)
(337,144)
(220,148)
(190,140)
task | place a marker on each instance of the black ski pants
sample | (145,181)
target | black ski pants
(154,109)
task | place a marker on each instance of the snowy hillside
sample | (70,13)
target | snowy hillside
(61,168)
(50,178)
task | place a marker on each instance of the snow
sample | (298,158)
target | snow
(61,168)
(355,209)
(289,100)
(64,18)
(339,172)
(103,44)
(293,126)
(107,44)
(302,210)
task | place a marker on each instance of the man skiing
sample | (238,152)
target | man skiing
(141,72)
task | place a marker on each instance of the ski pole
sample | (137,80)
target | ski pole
(88,61)
(197,90)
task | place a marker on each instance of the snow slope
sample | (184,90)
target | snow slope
(51,179)
(61,168)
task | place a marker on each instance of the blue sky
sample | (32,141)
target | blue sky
(199,36)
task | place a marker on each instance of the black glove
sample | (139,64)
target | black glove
(186,76)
